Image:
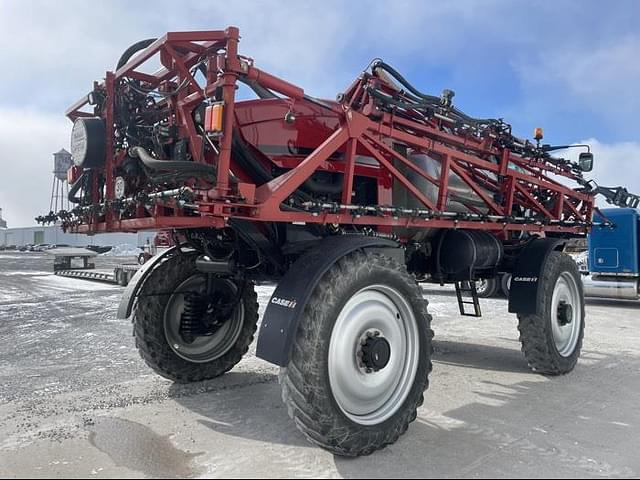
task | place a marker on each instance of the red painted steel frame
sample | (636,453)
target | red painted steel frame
(479,162)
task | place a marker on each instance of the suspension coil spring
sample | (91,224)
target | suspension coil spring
(195,307)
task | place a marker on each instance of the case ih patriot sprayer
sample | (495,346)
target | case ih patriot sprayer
(344,203)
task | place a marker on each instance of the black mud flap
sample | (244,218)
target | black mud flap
(523,295)
(134,285)
(288,301)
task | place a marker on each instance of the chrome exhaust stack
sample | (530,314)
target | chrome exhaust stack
(611,287)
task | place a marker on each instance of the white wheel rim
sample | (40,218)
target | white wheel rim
(566,334)
(371,398)
(482,286)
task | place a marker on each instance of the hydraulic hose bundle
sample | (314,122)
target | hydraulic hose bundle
(413,99)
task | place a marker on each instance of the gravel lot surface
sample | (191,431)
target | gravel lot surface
(77,401)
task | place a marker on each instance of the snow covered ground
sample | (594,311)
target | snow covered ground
(76,400)
(123,250)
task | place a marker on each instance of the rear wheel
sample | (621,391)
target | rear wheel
(361,357)
(552,339)
(187,331)
(486,287)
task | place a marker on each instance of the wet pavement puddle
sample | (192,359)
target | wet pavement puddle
(137,447)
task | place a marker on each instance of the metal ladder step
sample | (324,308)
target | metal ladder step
(462,301)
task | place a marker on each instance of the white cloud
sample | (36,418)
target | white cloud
(615,164)
(609,74)
(63,46)
(27,142)
(602,80)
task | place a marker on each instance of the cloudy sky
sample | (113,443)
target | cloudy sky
(572,67)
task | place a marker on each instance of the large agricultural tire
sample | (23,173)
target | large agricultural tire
(552,339)
(156,336)
(346,391)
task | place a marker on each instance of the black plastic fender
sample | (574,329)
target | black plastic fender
(523,295)
(294,290)
(131,292)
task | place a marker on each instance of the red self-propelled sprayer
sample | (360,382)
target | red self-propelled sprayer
(344,203)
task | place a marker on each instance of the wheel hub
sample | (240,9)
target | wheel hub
(565,313)
(375,353)
(201,323)
(566,319)
(371,375)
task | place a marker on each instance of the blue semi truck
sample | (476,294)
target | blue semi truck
(611,265)
(614,256)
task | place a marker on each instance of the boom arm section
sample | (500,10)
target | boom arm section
(175,149)
(618,196)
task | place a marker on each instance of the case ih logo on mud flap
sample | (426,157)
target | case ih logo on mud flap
(283,302)
(526,279)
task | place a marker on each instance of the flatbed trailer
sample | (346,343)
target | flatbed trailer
(119,275)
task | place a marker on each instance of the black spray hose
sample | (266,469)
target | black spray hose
(399,103)
(405,83)
(175,165)
(132,50)
(431,101)
(472,120)
(258,89)
(75,188)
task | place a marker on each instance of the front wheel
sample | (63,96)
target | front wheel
(552,338)
(361,357)
(188,328)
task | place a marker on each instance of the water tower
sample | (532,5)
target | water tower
(60,189)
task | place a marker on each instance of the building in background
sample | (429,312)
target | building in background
(53,235)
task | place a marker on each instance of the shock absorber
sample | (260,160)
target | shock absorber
(195,306)
(206,311)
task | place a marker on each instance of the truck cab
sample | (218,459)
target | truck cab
(614,255)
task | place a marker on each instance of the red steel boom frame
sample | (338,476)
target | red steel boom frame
(361,129)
